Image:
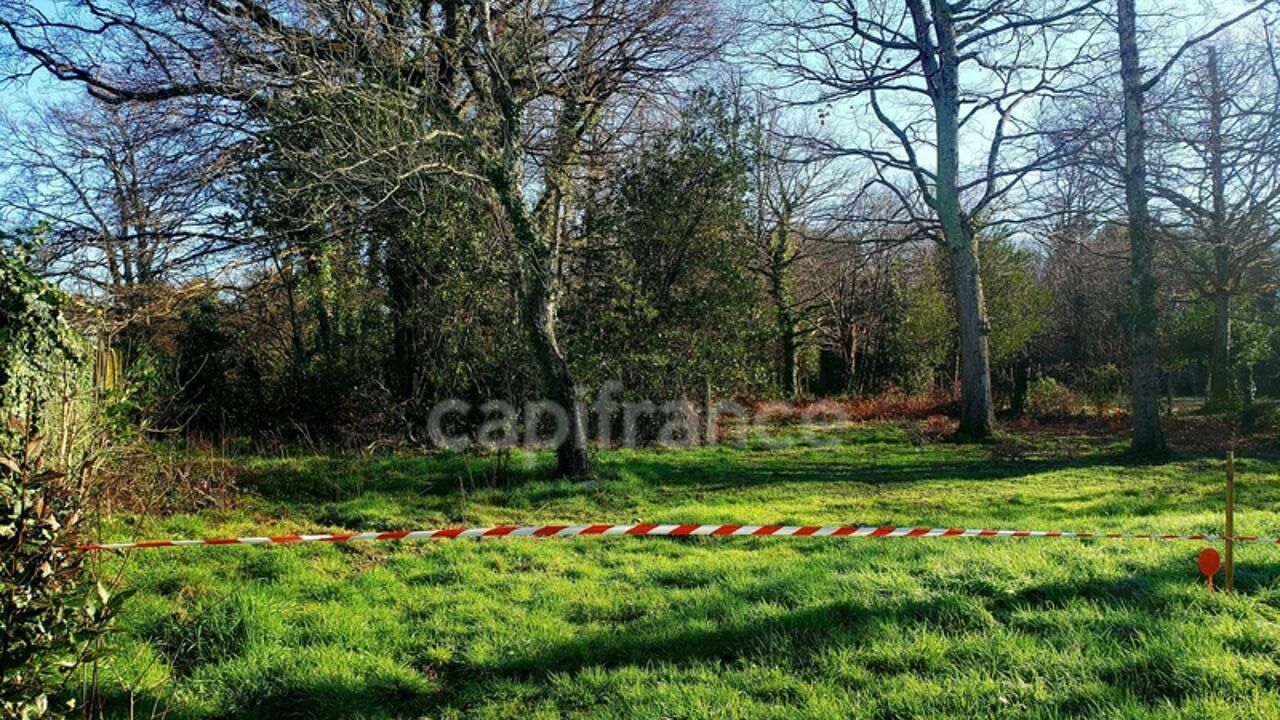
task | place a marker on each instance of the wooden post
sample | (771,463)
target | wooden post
(1230,575)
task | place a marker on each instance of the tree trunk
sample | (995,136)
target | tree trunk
(319,300)
(780,293)
(850,351)
(1021,379)
(536,261)
(1248,387)
(786,341)
(1148,435)
(540,313)
(977,414)
(402,298)
(787,370)
(1220,356)
(789,379)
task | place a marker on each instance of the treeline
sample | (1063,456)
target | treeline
(681,280)
(323,219)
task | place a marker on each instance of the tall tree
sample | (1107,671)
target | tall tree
(937,77)
(135,196)
(1144,406)
(1217,132)
(1148,435)
(787,191)
(663,299)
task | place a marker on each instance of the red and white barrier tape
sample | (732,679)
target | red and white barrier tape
(547,531)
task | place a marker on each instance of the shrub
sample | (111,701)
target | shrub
(1047,396)
(49,611)
(33,336)
(894,404)
(1258,417)
(1106,383)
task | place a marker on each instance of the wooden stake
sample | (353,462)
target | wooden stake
(1230,575)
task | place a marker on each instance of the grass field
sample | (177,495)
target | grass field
(701,628)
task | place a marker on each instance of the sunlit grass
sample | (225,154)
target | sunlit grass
(733,628)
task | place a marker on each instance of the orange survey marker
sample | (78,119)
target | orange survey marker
(1209,561)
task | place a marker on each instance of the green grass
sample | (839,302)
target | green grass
(726,627)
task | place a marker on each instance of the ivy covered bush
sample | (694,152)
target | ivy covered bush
(49,609)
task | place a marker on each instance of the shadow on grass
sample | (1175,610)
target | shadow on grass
(872,454)
(1135,629)
(293,695)
(334,479)
(871,471)
(1139,655)
(321,478)
(1147,662)
(732,472)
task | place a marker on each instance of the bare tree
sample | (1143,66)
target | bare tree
(1217,136)
(789,189)
(133,200)
(854,275)
(935,78)
(1148,436)
(1085,267)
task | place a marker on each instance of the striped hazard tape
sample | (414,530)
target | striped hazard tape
(549,531)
